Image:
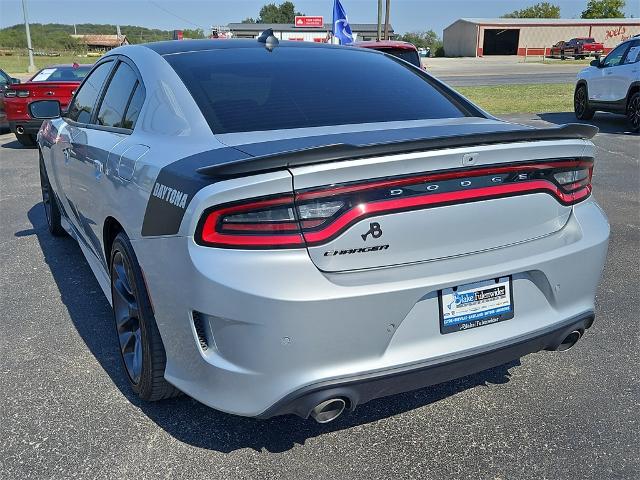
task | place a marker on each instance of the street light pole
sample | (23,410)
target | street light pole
(32,66)
(386,20)
(379,20)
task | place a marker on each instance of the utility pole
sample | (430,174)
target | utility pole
(386,20)
(32,66)
(379,20)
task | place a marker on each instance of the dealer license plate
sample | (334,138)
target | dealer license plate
(475,305)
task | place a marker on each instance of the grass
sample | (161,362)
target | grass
(531,98)
(17,64)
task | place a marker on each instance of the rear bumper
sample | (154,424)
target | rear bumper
(359,389)
(29,126)
(280,333)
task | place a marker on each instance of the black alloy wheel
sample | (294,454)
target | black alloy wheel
(51,209)
(633,112)
(581,104)
(127,315)
(141,349)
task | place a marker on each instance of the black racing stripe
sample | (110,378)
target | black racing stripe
(175,187)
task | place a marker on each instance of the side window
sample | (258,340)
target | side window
(84,102)
(633,55)
(133,110)
(615,56)
(4,80)
(116,98)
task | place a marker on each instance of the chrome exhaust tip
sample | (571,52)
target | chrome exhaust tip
(569,341)
(20,129)
(328,410)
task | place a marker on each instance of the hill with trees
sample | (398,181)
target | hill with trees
(57,36)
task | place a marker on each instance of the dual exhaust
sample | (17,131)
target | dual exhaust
(328,410)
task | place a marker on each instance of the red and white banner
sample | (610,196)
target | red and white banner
(304,21)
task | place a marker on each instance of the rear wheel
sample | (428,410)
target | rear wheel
(50,203)
(581,104)
(633,112)
(26,139)
(141,348)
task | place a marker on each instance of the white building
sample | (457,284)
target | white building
(289,31)
(477,37)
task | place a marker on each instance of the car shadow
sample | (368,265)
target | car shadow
(14,145)
(606,122)
(184,418)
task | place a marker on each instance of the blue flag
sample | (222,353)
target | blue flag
(341,28)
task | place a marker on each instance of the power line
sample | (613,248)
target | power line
(177,16)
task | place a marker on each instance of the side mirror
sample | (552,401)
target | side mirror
(595,63)
(44,109)
(15,80)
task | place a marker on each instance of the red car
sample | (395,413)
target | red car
(58,82)
(577,48)
(404,50)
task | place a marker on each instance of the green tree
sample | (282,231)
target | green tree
(604,9)
(272,13)
(539,10)
(428,39)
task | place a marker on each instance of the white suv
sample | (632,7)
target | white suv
(611,84)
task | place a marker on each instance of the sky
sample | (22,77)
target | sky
(406,15)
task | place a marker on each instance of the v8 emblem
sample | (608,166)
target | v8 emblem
(374,230)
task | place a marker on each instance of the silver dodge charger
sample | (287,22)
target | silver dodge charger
(296,228)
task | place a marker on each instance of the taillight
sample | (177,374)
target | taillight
(12,93)
(316,216)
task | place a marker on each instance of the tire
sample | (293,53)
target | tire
(633,112)
(26,139)
(141,349)
(562,57)
(581,104)
(50,203)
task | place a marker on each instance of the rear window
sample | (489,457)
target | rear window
(251,89)
(61,74)
(410,56)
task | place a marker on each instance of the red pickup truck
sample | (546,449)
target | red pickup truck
(58,82)
(577,48)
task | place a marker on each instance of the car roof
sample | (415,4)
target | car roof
(171,47)
(386,44)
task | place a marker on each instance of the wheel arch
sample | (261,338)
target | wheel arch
(633,88)
(110,230)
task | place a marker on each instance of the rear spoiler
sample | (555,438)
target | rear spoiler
(345,151)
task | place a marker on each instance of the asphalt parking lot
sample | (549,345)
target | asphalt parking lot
(66,410)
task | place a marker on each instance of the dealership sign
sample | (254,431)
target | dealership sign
(303,21)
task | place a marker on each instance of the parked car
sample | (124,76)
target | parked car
(424,52)
(272,242)
(5,81)
(404,50)
(577,48)
(55,82)
(611,84)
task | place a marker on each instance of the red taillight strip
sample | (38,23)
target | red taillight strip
(213,232)
(438,199)
(434,177)
(209,235)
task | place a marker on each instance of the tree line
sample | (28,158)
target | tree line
(57,36)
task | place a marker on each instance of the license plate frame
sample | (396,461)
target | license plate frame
(475,305)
